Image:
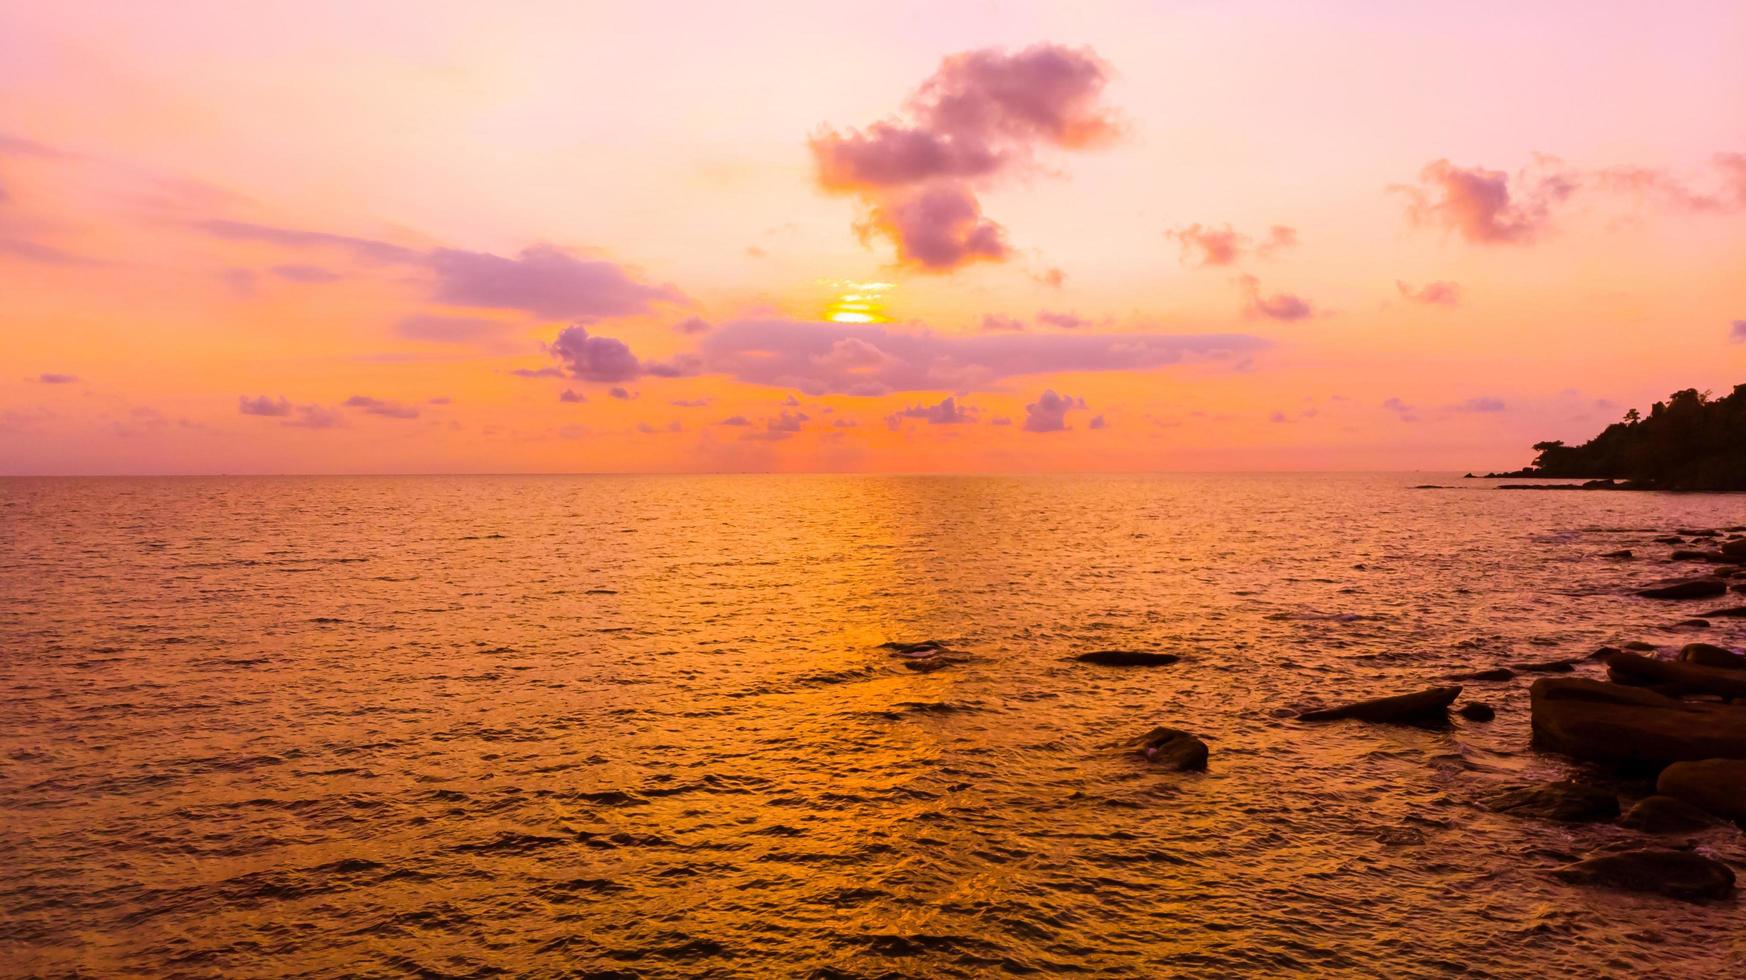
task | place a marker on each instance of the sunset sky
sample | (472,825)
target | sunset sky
(566,237)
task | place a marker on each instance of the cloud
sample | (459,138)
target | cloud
(1402,411)
(1486,207)
(995,323)
(1097,422)
(869,359)
(782,426)
(545,372)
(56,378)
(544,281)
(1278,306)
(262,405)
(1437,293)
(937,229)
(691,325)
(378,406)
(1203,246)
(1737,331)
(1480,405)
(1049,412)
(594,358)
(315,417)
(1065,321)
(619,393)
(981,113)
(689,402)
(947,412)
(448,329)
(570,396)
(735,420)
(305,273)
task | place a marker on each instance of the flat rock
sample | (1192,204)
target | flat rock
(1676,874)
(1691,588)
(1127,658)
(1605,722)
(1666,815)
(1716,786)
(1546,667)
(1569,802)
(1631,668)
(1173,749)
(1710,655)
(1431,704)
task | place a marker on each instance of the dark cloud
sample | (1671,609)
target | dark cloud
(982,113)
(56,378)
(1437,293)
(1277,306)
(869,359)
(263,405)
(1049,412)
(378,406)
(947,412)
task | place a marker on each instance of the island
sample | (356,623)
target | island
(1691,441)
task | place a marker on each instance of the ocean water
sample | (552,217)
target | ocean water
(627,726)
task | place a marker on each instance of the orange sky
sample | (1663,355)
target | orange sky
(416,237)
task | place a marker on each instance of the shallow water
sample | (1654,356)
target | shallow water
(641,727)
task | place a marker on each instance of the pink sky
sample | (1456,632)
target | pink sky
(424,237)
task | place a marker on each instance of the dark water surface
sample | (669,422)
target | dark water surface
(641,727)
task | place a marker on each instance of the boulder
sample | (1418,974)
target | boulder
(1612,723)
(1605,652)
(1429,705)
(1716,786)
(1687,678)
(1676,874)
(1546,667)
(1476,711)
(1691,588)
(1734,549)
(1710,655)
(1172,748)
(1494,674)
(1127,658)
(1570,802)
(1666,815)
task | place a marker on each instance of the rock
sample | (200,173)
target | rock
(1710,655)
(1547,667)
(1494,674)
(1691,588)
(1717,786)
(1431,704)
(1731,612)
(1569,802)
(1692,624)
(1666,815)
(1689,555)
(1172,748)
(1639,645)
(1127,658)
(1688,532)
(1624,553)
(1477,711)
(1629,668)
(1613,723)
(1670,539)
(1738,588)
(1734,549)
(1676,874)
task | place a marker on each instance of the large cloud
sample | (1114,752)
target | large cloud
(593,358)
(981,114)
(1049,412)
(869,359)
(1486,206)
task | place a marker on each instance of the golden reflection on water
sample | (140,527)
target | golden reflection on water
(645,725)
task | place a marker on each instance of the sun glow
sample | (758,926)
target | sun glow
(858,302)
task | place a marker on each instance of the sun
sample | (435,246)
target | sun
(858,302)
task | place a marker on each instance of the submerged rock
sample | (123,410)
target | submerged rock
(1676,874)
(1642,647)
(1431,704)
(1710,655)
(1494,674)
(1569,802)
(1731,612)
(1127,658)
(1614,723)
(1666,815)
(1716,786)
(920,648)
(1605,652)
(1547,667)
(1477,711)
(1691,588)
(1172,748)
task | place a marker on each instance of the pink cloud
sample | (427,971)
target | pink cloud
(56,378)
(1203,246)
(1277,306)
(1064,321)
(947,412)
(980,114)
(1437,293)
(1485,206)
(262,405)
(1049,412)
(382,407)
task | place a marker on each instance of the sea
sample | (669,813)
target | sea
(627,726)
